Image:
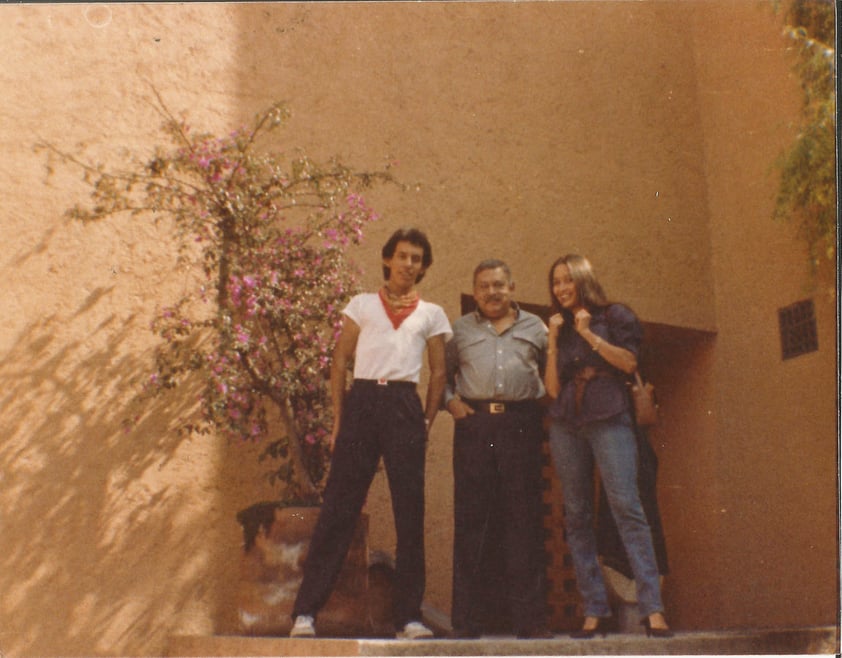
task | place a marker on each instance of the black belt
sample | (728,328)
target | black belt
(499,406)
(384,382)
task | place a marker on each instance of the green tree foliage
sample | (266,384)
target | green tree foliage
(807,193)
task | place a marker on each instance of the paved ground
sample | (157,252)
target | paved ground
(824,640)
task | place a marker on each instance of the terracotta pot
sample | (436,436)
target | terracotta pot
(276,542)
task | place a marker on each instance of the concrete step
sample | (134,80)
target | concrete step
(821,640)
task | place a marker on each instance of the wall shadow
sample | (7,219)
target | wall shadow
(102,548)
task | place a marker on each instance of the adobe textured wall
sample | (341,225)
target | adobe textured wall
(110,541)
(640,134)
(533,129)
(775,460)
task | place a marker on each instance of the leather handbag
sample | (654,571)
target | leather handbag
(643,397)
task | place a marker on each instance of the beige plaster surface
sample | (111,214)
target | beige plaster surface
(777,461)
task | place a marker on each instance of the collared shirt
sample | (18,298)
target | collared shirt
(485,365)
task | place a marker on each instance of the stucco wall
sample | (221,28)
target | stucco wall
(532,128)
(110,541)
(776,450)
(638,133)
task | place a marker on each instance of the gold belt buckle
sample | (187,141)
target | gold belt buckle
(496,408)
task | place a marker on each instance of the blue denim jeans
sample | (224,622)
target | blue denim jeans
(611,446)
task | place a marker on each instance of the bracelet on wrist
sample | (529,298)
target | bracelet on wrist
(597,344)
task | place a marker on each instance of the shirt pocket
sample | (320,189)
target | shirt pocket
(528,348)
(473,351)
(537,341)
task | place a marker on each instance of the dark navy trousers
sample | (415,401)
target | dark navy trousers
(497,512)
(377,421)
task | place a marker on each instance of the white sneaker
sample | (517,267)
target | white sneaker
(415,630)
(303,627)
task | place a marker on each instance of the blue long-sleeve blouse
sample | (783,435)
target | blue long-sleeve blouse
(605,395)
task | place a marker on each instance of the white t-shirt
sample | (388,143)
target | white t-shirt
(384,352)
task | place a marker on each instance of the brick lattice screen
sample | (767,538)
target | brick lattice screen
(562,598)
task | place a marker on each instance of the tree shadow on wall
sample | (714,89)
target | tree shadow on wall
(102,549)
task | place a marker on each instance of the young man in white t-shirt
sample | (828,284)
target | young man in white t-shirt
(386,334)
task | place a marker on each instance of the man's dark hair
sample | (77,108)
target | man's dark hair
(413,236)
(493,264)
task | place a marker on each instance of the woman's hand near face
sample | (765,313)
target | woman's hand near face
(583,321)
(551,383)
(555,323)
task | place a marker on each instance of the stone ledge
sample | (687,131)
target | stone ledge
(822,640)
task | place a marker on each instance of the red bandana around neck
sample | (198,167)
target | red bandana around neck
(398,308)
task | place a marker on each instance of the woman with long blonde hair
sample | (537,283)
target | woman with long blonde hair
(593,348)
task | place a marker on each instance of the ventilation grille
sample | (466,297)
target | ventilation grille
(798,329)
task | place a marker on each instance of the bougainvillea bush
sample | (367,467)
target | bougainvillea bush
(269,236)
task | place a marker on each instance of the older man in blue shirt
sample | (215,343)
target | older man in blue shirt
(494,364)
